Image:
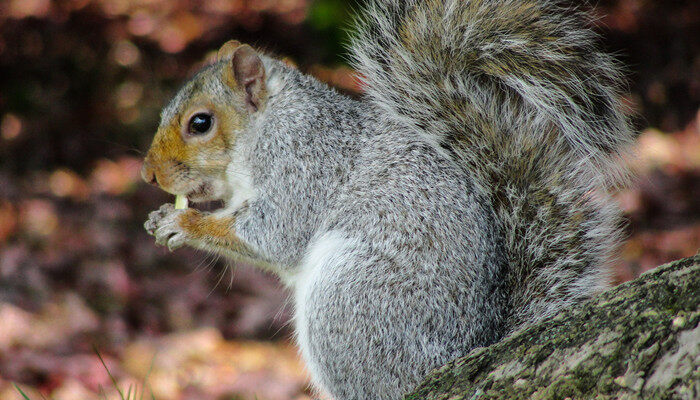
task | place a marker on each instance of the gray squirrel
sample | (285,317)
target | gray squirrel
(465,196)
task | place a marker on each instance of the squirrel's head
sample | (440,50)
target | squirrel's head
(193,145)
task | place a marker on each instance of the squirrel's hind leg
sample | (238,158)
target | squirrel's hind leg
(365,328)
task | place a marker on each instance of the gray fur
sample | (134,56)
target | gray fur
(464,197)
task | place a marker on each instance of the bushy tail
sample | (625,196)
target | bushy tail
(520,93)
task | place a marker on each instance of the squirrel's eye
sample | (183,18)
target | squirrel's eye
(199,124)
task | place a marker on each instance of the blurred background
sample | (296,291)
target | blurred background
(81,85)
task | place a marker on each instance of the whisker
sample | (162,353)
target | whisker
(286,303)
(221,275)
(201,262)
(212,262)
(233,273)
(122,145)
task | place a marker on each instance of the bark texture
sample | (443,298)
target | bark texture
(638,340)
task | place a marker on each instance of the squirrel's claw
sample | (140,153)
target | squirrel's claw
(163,224)
(175,241)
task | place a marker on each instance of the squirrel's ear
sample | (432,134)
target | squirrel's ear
(227,49)
(249,72)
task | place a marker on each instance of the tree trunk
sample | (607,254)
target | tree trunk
(638,340)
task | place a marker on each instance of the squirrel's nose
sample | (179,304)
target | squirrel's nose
(148,174)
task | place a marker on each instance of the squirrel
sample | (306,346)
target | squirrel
(465,196)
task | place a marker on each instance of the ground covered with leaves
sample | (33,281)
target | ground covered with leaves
(81,85)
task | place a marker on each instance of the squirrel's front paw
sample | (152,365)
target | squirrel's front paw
(164,224)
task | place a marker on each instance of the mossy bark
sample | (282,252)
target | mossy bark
(638,340)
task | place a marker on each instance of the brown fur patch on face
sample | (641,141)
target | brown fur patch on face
(183,162)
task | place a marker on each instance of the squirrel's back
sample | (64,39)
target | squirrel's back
(518,91)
